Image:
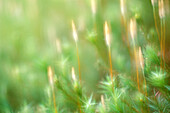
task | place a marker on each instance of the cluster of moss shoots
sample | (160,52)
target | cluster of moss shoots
(148,91)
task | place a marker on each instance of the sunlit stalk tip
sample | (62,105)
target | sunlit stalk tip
(161,9)
(141,60)
(133,28)
(153,2)
(73,74)
(50,75)
(107,34)
(93,6)
(122,6)
(75,36)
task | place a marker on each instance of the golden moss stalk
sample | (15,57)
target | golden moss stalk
(124,24)
(164,30)
(75,86)
(75,36)
(133,33)
(162,18)
(124,21)
(108,43)
(155,19)
(156,26)
(51,81)
(141,61)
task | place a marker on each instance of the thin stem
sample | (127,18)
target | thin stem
(111,72)
(144,82)
(145,86)
(123,25)
(130,106)
(78,63)
(54,100)
(68,95)
(161,43)
(137,72)
(160,37)
(164,29)
(79,107)
(79,74)
(76,101)
(127,38)
(110,61)
(156,26)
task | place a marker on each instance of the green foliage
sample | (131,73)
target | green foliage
(35,34)
(158,78)
(159,104)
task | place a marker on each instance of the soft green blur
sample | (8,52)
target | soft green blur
(32,31)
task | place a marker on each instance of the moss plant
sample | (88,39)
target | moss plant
(84,56)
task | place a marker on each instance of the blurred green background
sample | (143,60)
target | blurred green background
(28,33)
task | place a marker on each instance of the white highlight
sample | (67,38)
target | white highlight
(50,75)
(107,34)
(73,74)
(141,60)
(161,9)
(75,36)
(122,6)
(93,6)
(133,28)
